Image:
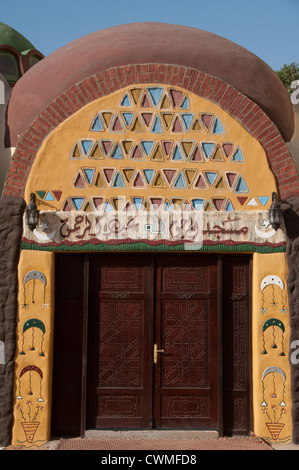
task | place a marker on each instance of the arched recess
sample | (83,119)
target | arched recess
(151,143)
(121,128)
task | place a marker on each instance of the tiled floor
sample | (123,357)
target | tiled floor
(158,440)
(240,443)
(150,440)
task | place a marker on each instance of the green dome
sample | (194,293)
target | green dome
(11,37)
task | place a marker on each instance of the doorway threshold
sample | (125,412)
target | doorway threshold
(151,434)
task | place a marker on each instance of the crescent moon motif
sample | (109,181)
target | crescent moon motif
(271,369)
(44,237)
(275,322)
(262,234)
(29,368)
(272,279)
(35,275)
(34,323)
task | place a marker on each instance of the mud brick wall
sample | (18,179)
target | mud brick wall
(291,219)
(11,227)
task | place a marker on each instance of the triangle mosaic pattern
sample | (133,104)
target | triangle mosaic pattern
(154,140)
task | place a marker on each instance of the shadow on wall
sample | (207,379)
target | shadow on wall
(11,229)
(291,217)
(293,145)
(5,153)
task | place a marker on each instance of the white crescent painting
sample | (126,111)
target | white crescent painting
(44,237)
(263,234)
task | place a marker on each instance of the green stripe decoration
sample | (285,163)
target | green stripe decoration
(142,246)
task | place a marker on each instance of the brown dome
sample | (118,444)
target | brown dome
(140,43)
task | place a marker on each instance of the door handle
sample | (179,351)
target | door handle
(156,351)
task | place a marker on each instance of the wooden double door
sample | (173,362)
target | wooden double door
(151,341)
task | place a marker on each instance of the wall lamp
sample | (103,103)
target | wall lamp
(275,212)
(32,213)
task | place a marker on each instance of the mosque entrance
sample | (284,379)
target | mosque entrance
(151,341)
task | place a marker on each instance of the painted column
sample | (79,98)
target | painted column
(270,349)
(33,362)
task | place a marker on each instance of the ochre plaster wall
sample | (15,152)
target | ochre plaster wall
(272,401)
(34,355)
(221,149)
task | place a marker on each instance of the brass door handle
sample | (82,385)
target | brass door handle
(156,351)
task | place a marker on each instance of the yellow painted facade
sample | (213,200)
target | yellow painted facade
(34,353)
(272,401)
(134,133)
(174,152)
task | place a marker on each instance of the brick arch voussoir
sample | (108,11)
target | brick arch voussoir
(239,106)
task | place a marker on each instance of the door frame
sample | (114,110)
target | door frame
(220,301)
(84,344)
(85,328)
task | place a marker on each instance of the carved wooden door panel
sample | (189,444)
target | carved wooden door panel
(179,389)
(137,301)
(185,389)
(236,346)
(120,342)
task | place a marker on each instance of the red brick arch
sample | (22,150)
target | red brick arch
(239,106)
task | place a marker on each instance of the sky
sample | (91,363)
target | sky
(267,28)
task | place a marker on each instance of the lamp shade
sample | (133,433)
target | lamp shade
(275,213)
(32,213)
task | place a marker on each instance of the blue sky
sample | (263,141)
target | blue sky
(268,28)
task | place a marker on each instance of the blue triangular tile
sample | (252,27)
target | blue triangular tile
(118,181)
(263,200)
(187,118)
(177,154)
(211,176)
(157,126)
(126,101)
(155,93)
(218,127)
(185,103)
(89,173)
(238,156)
(117,153)
(77,201)
(241,186)
(97,125)
(137,202)
(180,181)
(149,175)
(86,145)
(208,148)
(147,146)
(49,197)
(128,117)
(198,203)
